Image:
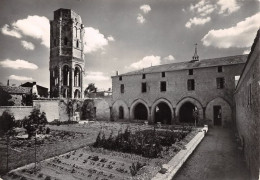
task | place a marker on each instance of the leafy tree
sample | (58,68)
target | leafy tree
(90,89)
(33,121)
(5,98)
(7,122)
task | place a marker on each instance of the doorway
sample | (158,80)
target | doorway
(217,115)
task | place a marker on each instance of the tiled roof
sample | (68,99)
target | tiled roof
(223,61)
(16,89)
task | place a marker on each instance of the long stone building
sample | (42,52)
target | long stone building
(172,93)
(67,62)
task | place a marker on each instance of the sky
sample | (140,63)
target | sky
(124,35)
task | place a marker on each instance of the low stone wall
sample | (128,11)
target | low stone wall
(19,112)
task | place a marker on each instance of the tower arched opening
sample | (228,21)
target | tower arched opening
(77,77)
(140,112)
(65,72)
(162,113)
(77,93)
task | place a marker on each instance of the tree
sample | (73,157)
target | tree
(33,121)
(90,89)
(5,98)
(7,122)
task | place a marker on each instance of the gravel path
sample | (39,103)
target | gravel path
(216,158)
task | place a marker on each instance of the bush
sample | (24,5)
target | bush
(7,122)
(135,167)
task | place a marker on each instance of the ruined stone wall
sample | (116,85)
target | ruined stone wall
(247,98)
(19,112)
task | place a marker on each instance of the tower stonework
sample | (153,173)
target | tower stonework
(66,55)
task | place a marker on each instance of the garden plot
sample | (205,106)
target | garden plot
(101,163)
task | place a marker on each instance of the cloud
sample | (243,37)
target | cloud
(96,76)
(37,27)
(94,40)
(10,32)
(241,35)
(169,58)
(197,21)
(18,64)
(20,78)
(140,19)
(110,38)
(247,51)
(27,45)
(227,7)
(147,61)
(145,8)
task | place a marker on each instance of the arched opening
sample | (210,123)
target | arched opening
(77,94)
(188,112)
(77,77)
(65,41)
(65,93)
(65,72)
(56,76)
(121,113)
(140,112)
(162,113)
(77,43)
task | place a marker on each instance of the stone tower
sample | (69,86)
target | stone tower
(66,55)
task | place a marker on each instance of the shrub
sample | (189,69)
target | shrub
(135,167)
(7,122)
(47,178)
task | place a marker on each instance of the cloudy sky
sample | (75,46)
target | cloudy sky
(124,35)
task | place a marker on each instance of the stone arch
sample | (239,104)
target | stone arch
(77,93)
(115,110)
(166,102)
(224,116)
(133,109)
(77,76)
(193,101)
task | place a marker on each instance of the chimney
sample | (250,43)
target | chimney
(116,73)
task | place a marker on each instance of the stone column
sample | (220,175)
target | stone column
(72,83)
(174,116)
(60,93)
(129,113)
(204,112)
(150,120)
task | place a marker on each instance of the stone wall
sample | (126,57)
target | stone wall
(247,98)
(50,107)
(19,112)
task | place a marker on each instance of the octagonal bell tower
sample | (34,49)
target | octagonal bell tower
(67,64)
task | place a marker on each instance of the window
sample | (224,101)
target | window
(65,41)
(220,69)
(163,74)
(77,45)
(144,87)
(120,78)
(191,84)
(220,83)
(163,86)
(249,94)
(143,77)
(190,71)
(122,88)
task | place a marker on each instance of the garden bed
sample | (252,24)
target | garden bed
(97,162)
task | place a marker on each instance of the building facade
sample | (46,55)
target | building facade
(183,92)
(247,99)
(66,55)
